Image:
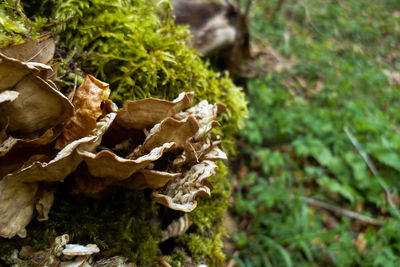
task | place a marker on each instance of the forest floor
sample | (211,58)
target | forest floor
(317,174)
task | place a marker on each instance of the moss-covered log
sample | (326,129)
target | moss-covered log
(135,47)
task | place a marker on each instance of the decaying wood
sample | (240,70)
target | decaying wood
(220,30)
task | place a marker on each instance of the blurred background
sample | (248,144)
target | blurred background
(317,172)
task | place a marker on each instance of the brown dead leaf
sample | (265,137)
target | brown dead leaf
(87,102)
(360,243)
(393,77)
(329,220)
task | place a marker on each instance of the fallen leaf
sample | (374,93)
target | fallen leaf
(87,102)
(393,77)
(360,243)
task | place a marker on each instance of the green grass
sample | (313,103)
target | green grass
(299,146)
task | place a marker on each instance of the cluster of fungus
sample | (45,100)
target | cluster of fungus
(45,137)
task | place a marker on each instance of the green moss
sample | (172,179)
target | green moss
(119,223)
(15,27)
(176,258)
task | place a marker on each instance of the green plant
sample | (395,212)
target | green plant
(302,122)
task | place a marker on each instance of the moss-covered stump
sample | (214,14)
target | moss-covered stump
(135,47)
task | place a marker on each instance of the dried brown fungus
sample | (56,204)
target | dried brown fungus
(180,193)
(18,190)
(35,50)
(145,113)
(45,136)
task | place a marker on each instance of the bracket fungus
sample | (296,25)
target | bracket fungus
(38,107)
(8,95)
(180,193)
(18,189)
(45,137)
(135,114)
(35,50)
(149,165)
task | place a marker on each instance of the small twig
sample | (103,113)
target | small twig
(232,262)
(364,155)
(246,146)
(371,166)
(54,23)
(341,211)
(308,18)
(72,94)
